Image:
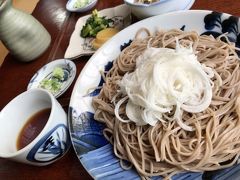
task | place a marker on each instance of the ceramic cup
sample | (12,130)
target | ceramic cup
(52,142)
(22,34)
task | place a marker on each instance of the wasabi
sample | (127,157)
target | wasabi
(53,83)
(81,3)
(58,73)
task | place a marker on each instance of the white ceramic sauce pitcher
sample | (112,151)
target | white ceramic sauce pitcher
(21,33)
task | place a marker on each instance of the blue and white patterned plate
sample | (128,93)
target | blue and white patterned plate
(92,149)
(69,69)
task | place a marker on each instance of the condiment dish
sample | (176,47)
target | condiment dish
(54,77)
(80,5)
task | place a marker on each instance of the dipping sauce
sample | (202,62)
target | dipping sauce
(33,127)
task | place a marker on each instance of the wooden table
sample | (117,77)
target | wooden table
(14,78)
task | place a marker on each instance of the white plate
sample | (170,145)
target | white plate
(94,152)
(68,67)
(70,6)
(142,10)
(79,46)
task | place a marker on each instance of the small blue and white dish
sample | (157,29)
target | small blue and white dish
(80,5)
(46,73)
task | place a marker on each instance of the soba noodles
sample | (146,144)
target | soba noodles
(166,148)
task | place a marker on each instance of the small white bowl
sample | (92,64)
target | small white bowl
(142,11)
(69,69)
(70,6)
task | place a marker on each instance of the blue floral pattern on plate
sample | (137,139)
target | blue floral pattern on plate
(86,133)
(92,149)
(216,26)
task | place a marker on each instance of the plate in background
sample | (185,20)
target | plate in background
(79,46)
(71,6)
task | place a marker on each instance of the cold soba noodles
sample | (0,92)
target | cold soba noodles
(170,103)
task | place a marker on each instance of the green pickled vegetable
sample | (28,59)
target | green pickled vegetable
(58,73)
(54,83)
(94,24)
(81,3)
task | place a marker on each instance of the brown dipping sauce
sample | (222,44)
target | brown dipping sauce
(33,127)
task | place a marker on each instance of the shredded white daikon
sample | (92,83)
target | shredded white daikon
(165,82)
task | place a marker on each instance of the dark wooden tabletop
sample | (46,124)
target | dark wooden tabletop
(14,78)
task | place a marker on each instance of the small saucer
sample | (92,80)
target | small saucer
(89,5)
(68,69)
